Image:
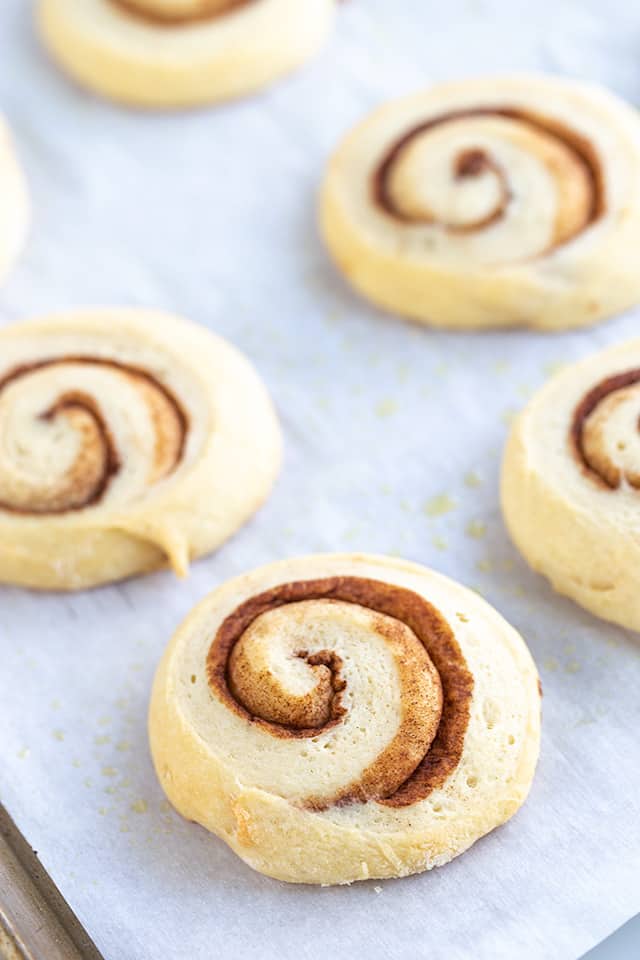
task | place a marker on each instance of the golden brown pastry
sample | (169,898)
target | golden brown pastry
(335,718)
(509,201)
(171,53)
(128,440)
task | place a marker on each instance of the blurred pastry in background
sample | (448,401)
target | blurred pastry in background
(177,53)
(14,203)
(492,202)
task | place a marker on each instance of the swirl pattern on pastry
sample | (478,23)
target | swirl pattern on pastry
(399,186)
(491,202)
(86,479)
(571,483)
(432,672)
(340,702)
(171,53)
(114,426)
(14,203)
(606,430)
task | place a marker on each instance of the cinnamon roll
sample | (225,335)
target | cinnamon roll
(172,53)
(14,203)
(510,201)
(128,440)
(571,483)
(337,718)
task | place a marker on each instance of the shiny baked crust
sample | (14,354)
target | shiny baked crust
(128,440)
(335,718)
(571,483)
(509,201)
(172,53)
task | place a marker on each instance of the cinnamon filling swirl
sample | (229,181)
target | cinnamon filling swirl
(97,461)
(605,432)
(571,160)
(435,681)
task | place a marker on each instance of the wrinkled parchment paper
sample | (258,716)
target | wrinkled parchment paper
(393,438)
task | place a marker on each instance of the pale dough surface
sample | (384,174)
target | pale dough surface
(253,789)
(128,56)
(581,532)
(128,440)
(14,203)
(517,205)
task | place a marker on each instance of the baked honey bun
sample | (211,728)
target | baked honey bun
(14,203)
(343,717)
(571,483)
(172,53)
(128,440)
(510,201)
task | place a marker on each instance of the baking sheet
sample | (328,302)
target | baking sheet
(393,438)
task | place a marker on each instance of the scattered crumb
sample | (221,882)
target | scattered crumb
(550,664)
(553,367)
(438,506)
(572,666)
(103,721)
(472,479)
(124,745)
(476,529)
(101,740)
(23,753)
(109,772)
(402,372)
(377,889)
(440,543)
(58,735)
(139,806)
(462,617)
(386,407)
(485,565)
(352,533)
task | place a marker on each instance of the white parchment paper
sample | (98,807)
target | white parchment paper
(393,437)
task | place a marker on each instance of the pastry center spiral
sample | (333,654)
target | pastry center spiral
(606,431)
(74,428)
(470,170)
(308,657)
(178,12)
